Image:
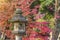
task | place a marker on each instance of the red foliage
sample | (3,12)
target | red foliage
(25,6)
(41,31)
(7,13)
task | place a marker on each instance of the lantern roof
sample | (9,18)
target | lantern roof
(18,17)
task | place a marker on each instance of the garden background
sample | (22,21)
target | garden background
(43,18)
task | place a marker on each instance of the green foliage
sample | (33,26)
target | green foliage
(44,4)
(52,23)
(34,3)
(1,39)
(48,16)
(36,29)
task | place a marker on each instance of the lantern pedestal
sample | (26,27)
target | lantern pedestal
(17,37)
(18,34)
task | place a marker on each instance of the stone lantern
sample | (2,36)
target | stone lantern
(19,23)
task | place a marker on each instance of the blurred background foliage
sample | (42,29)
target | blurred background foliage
(47,8)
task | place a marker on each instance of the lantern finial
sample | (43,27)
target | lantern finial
(18,11)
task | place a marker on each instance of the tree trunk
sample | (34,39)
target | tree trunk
(56,29)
